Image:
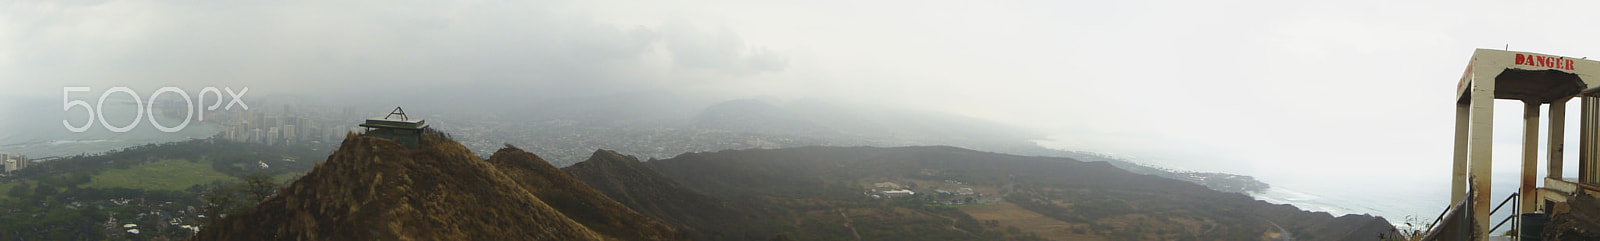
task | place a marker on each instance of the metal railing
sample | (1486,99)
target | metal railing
(1517,205)
(1441,216)
(1453,224)
(1456,222)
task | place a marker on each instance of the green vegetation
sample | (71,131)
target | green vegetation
(287,177)
(231,198)
(8,193)
(152,186)
(170,174)
(1411,231)
(1090,199)
(815,193)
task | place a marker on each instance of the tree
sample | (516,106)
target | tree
(219,200)
(44,190)
(231,197)
(259,186)
(81,178)
(21,190)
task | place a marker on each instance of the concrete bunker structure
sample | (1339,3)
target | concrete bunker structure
(1536,80)
(402,130)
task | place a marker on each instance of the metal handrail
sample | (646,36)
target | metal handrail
(1453,214)
(1514,205)
(1502,222)
(1502,203)
(1441,216)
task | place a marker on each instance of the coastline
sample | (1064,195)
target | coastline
(69,145)
(40,134)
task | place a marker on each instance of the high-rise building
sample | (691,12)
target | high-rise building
(256,136)
(259,118)
(246,128)
(289,134)
(272,136)
(242,132)
(304,126)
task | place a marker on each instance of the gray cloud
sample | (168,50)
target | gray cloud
(721,50)
(331,48)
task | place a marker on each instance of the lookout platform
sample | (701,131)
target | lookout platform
(1537,80)
(396,127)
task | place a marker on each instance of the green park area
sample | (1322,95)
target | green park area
(171,174)
(6,188)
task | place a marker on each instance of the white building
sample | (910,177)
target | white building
(898,193)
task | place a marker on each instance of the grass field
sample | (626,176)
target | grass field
(6,188)
(1010,214)
(173,174)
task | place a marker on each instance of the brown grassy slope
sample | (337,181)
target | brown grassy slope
(1009,215)
(577,200)
(626,180)
(373,189)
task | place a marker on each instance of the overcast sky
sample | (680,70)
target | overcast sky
(1276,89)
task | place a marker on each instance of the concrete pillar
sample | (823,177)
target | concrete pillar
(1557,142)
(1586,133)
(1480,152)
(1458,171)
(1530,156)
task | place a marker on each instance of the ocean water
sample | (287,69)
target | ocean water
(33,127)
(1397,203)
(1404,197)
(1413,202)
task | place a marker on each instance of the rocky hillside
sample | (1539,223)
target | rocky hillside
(577,200)
(374,189)
(629,182)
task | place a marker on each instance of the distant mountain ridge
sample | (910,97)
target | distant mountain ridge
(662,125)
(1216,181)
(1102,198)
(887,128)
